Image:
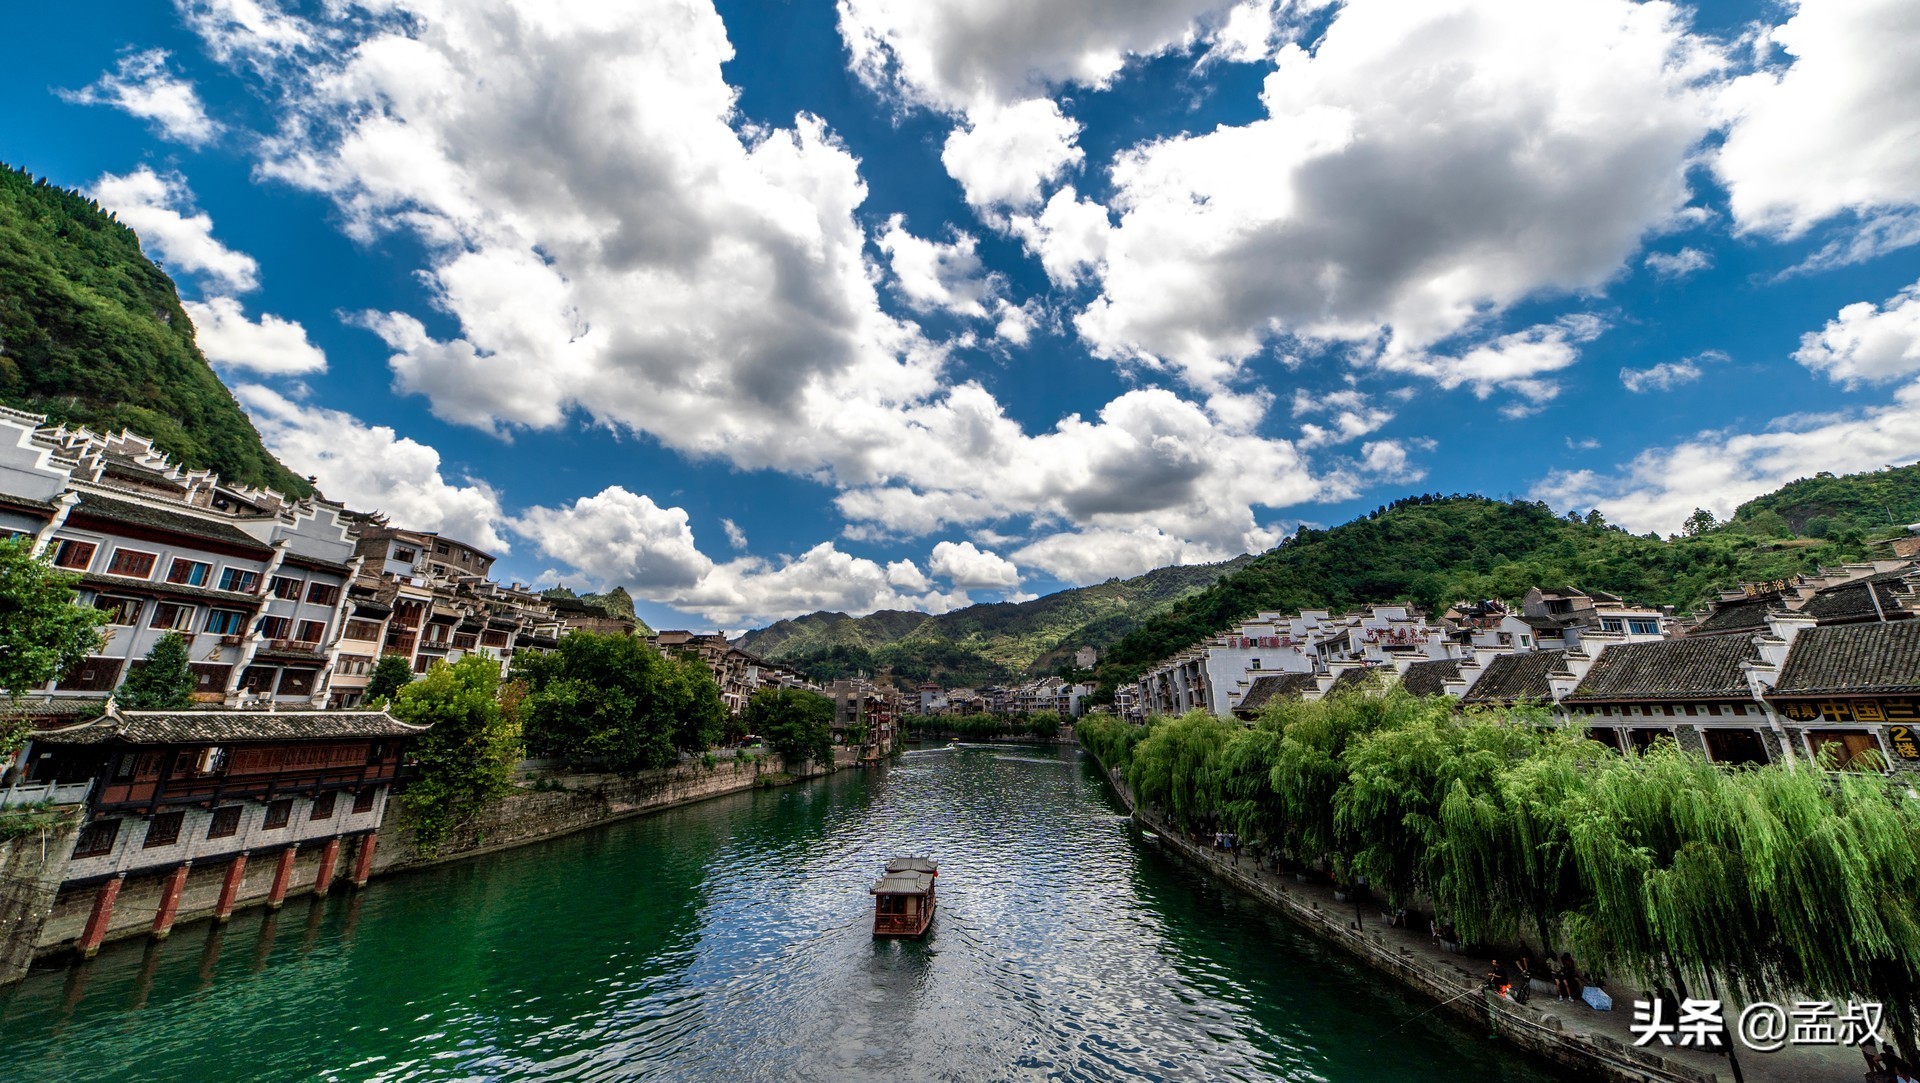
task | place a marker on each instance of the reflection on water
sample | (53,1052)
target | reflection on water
(732,939)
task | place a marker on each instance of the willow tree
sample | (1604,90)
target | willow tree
(1309,766)
(1243,784)
(1173,766)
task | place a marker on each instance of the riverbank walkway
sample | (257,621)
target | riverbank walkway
(1413,953)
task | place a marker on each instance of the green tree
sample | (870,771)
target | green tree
(164,682)
(1698,523)
(467,756)
(390,675)
(42,633)
(795,723)
(612,699)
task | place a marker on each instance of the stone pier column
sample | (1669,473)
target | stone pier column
(230,888)
(170,901)
(363,860)
(101,917)
(281,874)
(323,878)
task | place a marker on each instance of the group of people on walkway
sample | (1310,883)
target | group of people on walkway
(1568,984)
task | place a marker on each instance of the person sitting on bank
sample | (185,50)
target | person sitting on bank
(1497,977)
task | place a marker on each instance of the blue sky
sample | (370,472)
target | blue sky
(766,307)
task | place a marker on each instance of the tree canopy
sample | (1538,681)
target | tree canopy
(42,633)
(468,755)
(614,700)
(794,722)
(164,682)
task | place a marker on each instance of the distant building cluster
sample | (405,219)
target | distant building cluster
(1053,695)
(1796,669)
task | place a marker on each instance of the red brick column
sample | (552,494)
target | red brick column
(170,901)
(281,874)
(102,915)
(363,860)
(323,879)
(230,888)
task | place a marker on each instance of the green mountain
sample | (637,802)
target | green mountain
(980,644)
(1431,550)
(1824,505)
(92,333)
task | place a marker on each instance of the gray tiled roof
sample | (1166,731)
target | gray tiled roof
(228,727)
(1265,690)
(1513,678)
(1851,602)
(1351,679)
(1429,678)
(1853,658)
(1704,668)
(1739,615)
(192,526)
(34,705)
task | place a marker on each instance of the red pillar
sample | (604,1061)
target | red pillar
(323,879)
(363,860)
(102,915)
(170,901)
(281,874)
(230,888)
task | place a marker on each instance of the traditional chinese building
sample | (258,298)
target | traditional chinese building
(1702,693)
(1851,690)
(192,813)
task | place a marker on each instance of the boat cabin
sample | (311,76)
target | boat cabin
(903,897)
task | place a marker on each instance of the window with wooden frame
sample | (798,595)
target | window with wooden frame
(164,829)
(97,838)
(225,823)
(225,622)
(239,580)
(276,627)
(172,615)
(285,588)
(363,629)
(132,563)
(123,611)
(323,806)
(278,813)
(192,573)
(1851,750)
(363,801)
(73,555)
(322,593)
(311,631)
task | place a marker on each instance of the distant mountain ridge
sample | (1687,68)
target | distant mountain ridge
(92,334)
(989,641)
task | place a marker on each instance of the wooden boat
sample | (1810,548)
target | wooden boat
(903,898)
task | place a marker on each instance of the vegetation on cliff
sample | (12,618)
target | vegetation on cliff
(92,333)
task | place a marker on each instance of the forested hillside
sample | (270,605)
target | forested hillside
(1826,504)
(1432,550)
(92,333)
(981,643)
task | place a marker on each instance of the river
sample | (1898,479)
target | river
(731,940)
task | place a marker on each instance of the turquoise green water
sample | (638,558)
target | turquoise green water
(731,940)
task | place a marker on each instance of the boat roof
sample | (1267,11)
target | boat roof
(907,876)
(903,883)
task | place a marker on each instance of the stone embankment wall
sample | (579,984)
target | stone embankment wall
(577,802)
(529,814)
(1537,1029)
(32,865)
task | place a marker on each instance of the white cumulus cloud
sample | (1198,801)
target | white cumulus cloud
(373,468)
(144,86)
(969,567)
(1867,342)
(271,346)
(159,207)
(1835,130)
(1427,164)
(1664,376)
